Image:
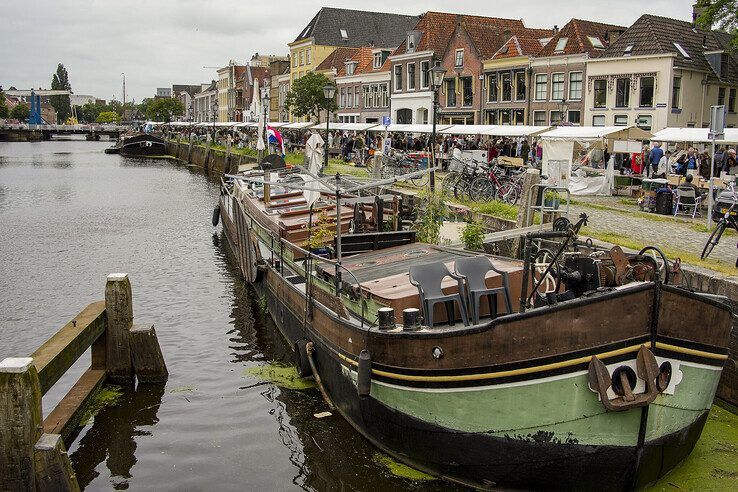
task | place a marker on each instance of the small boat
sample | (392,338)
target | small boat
(604,382)
(139,145)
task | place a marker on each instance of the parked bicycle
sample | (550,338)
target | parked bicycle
(497,185)
(397,164)
(728,209)
(458,181)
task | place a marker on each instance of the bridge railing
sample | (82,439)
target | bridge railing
(32,451)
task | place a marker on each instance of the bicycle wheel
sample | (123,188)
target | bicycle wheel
(508,193)
(481,189)
(461,190)
(448,183)
(714,238)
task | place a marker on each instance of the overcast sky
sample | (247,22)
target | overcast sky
(161,42)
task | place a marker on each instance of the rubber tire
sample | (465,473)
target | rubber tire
(717,233)
(301,359)
(216,215)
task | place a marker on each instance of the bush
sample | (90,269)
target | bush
(430,217)
(473,235)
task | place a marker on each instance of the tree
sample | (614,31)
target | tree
(89,112)
(722,14)
(60,81)
(20,112)
(108,117)
(3,107)
(306,96)
(164,109)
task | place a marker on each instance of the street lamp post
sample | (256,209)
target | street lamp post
(214,107)
(563,107)
(329,92)
(437,74)
(265,103)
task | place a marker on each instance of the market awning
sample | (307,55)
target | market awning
(517,130)
(409,128)
(467,130)
(696,135)
(358,127)
(597,132)
(298,125)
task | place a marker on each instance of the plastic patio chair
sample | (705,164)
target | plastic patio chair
(428,278)
(688,201)
(474,270)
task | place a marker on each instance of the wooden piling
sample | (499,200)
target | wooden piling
(53,468)
(20,422)
(148,361)
(532,177)
(119,314)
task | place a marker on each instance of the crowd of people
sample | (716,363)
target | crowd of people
(659,162)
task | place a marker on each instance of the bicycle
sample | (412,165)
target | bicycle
(399,164)
(729,219)
(459,181)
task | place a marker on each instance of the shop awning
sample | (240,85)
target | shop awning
(518,130)
(357,127)
(597,132)
(298,125)
(467,130)
(696,135)
(409,128)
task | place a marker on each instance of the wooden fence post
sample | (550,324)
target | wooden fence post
(148,361)
(532,177)
(53,468)
(20,422)
(119,314)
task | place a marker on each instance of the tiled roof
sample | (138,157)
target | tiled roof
(651,35)
(578,32)
(362,28)
(336,59)
(518,46)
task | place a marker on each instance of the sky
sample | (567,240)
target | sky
(157,43)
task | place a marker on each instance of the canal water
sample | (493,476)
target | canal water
(69,215)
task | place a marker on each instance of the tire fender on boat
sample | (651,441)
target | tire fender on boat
(301,359)
(216,215)
(364,377)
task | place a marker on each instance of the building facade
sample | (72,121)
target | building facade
(228,109)
(204,101)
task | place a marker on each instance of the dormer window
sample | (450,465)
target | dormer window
(350,67)
(681,50)
(596,42)
(561,45)
(413,37)
(344,34)
(459,60)
(377,60)
(628,50)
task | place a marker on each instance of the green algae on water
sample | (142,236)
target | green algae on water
(399,470)
(280,375)
(183,389)
(107,396)
(713,463)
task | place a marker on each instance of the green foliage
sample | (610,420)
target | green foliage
(321,233)
(497,209)
(472,235)
(430,213)
(720,14)
(164,109)
(108,117)
(20,112)
(306,96)
(4,112)
(60,81)
(107,396)
(281,375)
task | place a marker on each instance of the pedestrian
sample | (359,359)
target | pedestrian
(654,157)
(704,169)
(524,151)
(663,167)
(719,155)
(729,161)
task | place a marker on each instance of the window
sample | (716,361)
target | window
(411,76)
(723,65)
(368,97)
(294,60)
(506,87)
(451,92)
(492,88)
(628,50)
(681,50)
(404,116)
(349,97)
(598,120)
(600,93)
(644,121)
(520,86)
(561,45)
(575,86)
(596,42)
(539,118)
(557,86)
(398,78)
(622,93)
(518,117)
(492,117)
(344,34)
(575,117)
(721,96)
(384,95)
(466,91)
(342,100)
(377,60)
(731,101)
(646,92)
(302,57)
(541,86)
(621,120)
(459,61)
(676,92)
(555,118)
(505,117)
(350,67)
(307,56)
(424,75)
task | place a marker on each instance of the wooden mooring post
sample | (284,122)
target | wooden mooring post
(33,454)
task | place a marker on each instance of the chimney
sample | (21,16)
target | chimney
(612,35)
(555,30)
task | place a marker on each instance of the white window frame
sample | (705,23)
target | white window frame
(594,116)
(425,73)
(377,57)
(568,116)
(397,81)
(302,57)
(581,86)
(615,120)
(407,74)
(644,116)
(535,119)
(545,87)
(357,94)
(307,56)
(679,98)
(561,45)
(551,121)
(563,86)
(458,52)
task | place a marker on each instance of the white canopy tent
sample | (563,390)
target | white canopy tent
(359,127)
(409,128)
(467,130)
(517,130)
(694,135)
(299,125)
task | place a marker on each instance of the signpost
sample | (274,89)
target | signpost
(717,132)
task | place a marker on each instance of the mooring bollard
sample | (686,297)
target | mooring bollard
(386,318)
(119,313)
(148,361)
(410,319)
(53,467)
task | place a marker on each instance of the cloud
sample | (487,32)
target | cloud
(162,42)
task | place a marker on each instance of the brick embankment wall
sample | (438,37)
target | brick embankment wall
(211,160)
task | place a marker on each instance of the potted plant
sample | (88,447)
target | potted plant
(551,200)
(320,235)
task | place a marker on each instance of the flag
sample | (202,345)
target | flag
(275,138)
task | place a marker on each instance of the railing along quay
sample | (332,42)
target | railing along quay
(33,453)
